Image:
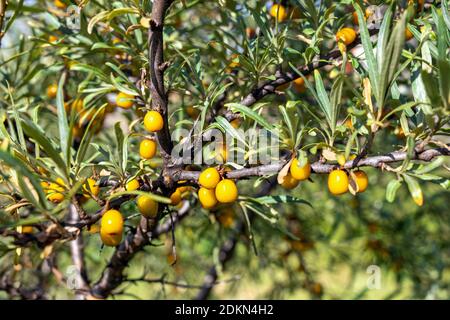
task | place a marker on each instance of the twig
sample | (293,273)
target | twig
(269,87)
(77,253)
(320,168)
(159,99)
(3,6)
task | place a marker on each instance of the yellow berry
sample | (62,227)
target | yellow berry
(300,173)
(124,100)
(207,198)
(361,180)
(91,187)
(52,39)
(299,85)
(338,182)
(59,4)
(147,206)
(111,240)
(289,182)
(226,191)
(279,12)
(55,197)
(111,225)
(175,198)
(147,149)
(408,34)
(153,121)
(209,178)
(132,185)
(52,90)
(346,35)
(27,229)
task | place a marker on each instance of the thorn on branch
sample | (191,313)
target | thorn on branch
(163,66)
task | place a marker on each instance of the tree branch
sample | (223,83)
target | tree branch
(112,276)
(77,253)
(320,168)
(159,101)
(269,87)
(3,6)
(227,250)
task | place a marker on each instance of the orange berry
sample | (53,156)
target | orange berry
(175,198)
(361,180)
(52,90)
(278,12)
(132,185)
(52,39)
(147,149)
(226,191)
(27,229)
(209,178)
(59,4)
(153,121)
(192,112)
(147,206)
(91,187)
(300,173)
(299,85)
(77,104)
(235,123)
(408,34)
(124,100)
(289,182)
(250,32)
(346,35)
(338,182)
(207,198)
(112,222)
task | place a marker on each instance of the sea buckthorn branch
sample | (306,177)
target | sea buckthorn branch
(112,275)
(320,168)
(3,6)
(7,285)
(227,249)
(165,282)
(77,253)
(285,77)
(159,99)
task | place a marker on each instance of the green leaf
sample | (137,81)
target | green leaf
(35,133)
(391,58)
(63,126)
(280,199)
(430,166)
(368,50)
(22,172)
(122,144)
(153,196)
(323,99)
(414,189)
(391,190)
(87,136)
(336,95)
(246,111)
(90,69)
(229,129)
